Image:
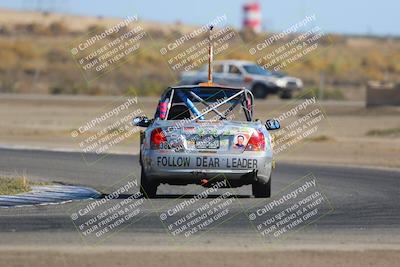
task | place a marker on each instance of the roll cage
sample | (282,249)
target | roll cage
(188,98)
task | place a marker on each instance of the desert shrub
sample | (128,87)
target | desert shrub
(8,59)
(5,30)
(320,138)
(384,132)
(57,55)
(95,29)
(23,50)
(95,89)
(68,88)
(330,39)
(157,34)
(58,28)
(247,35)
(15,185)
(14,54)
(36,28)
(57,90)
(131,91)
(328,94)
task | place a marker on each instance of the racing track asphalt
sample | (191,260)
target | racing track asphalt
(365,201)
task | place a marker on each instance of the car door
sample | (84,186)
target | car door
(218,73)
(233,76)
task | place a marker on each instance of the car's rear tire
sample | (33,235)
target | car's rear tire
(286,94)
(259,91)
(147,188)
(261,189)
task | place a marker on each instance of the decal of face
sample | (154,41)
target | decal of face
(239,141)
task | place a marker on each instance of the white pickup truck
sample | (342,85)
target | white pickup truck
(246,74)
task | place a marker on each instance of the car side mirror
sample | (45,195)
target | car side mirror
(141,121)
(272,124)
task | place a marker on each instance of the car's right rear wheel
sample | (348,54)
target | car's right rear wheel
(261,189)
(147,188)
(286,94)
(259,91)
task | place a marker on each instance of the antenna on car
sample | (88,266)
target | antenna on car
(210,56)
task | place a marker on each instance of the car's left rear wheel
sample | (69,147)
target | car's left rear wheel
(261,189)
(147,188)
(259,91)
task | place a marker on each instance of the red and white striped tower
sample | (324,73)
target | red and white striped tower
(252,16)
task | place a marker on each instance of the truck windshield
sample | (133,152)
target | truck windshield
(255,69)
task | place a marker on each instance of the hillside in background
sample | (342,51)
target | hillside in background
(35,57)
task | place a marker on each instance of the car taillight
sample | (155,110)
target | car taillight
(157,137)
(256,142)
(248,79)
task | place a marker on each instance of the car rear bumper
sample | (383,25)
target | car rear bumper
(194,167)
(290,87)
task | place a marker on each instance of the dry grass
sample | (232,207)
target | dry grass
(384,132)
(12,186)
(36,58)
(16,184)
(320,138)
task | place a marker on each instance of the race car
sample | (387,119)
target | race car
(204,134)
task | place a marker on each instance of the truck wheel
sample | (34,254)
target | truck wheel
(261,189)
(147,188)
(259,91)
(287,94)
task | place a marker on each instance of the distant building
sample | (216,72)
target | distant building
(252,16)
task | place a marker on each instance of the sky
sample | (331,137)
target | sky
(339,16)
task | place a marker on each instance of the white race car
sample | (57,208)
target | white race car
(202,135)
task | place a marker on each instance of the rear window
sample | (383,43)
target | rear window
(234,70)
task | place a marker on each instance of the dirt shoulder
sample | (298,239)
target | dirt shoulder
(200,257)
